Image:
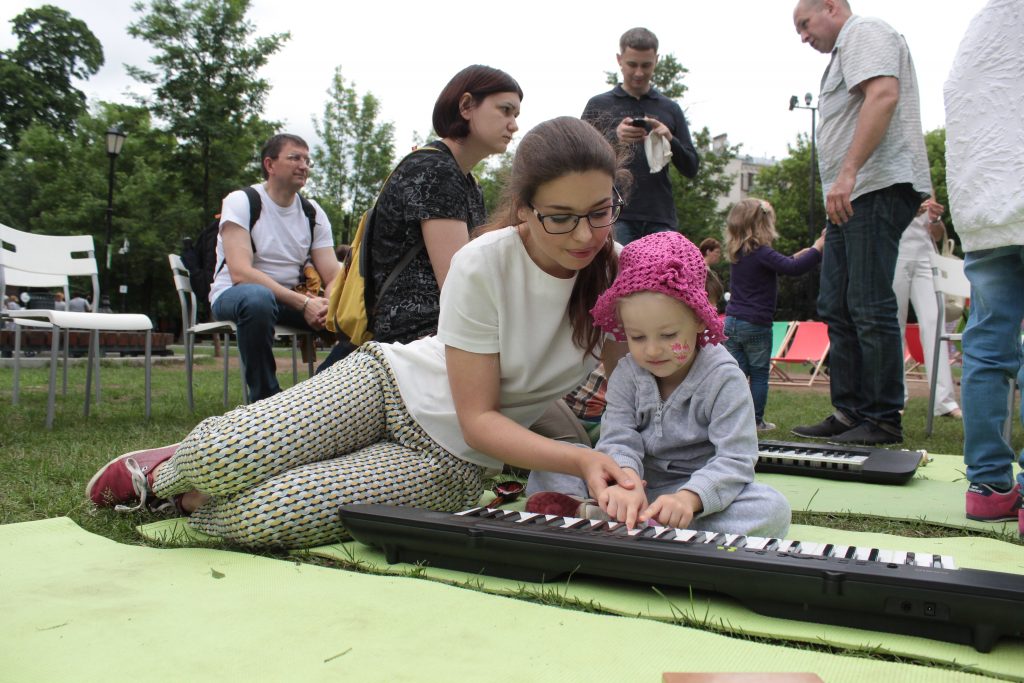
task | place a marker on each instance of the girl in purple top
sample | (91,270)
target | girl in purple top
(754,284)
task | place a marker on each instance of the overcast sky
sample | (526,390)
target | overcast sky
(744,56)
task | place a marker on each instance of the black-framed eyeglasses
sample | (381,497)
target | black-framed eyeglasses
(563,223)
(295,158)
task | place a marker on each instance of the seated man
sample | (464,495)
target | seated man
(258,268)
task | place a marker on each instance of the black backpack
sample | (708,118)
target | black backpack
(200,255)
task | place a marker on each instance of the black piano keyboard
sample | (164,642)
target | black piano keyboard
(921,594)
(851,463)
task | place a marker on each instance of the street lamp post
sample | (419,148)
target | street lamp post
(115,140)
(794,103)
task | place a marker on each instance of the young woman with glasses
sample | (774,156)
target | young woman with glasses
(425,423)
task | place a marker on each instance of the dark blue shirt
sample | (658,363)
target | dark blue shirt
(651,195)
(754,282)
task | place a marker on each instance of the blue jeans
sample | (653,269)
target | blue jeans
(857,302)
(992,358)
(627,231)
(255,310)
(751,346)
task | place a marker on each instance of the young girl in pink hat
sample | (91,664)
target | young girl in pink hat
(679,419)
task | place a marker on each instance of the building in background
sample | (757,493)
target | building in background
(743,168)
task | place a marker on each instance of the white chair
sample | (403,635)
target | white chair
(69,256)
(947,278)
(187,299)
(191,329)
(12,277)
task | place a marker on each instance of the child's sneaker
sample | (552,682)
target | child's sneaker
(127,479)
(985,504)
(1020,522)
(764,426)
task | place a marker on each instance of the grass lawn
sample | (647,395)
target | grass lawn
(43,473)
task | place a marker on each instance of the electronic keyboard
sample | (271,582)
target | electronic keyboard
(904,592)
(854,463)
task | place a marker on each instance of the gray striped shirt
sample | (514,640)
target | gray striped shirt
(867,48)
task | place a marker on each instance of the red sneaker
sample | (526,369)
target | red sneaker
(985,504)
(127,478)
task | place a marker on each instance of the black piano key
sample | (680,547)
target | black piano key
(827,550)
(873,555)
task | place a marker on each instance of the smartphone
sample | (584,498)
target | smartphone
(639,122)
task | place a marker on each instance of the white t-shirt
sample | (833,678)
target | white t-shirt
(281,236)
(495,299)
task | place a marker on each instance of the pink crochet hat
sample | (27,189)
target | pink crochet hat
(664,262)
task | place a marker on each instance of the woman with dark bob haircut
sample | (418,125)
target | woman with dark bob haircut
(431,202)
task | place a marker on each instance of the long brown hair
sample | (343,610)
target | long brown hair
(551,150)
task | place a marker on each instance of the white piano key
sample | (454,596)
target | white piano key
(812,549)
(924,559)
(730,539)
(659,530)
(613,525)
(634,531)
(862,554)
(525,516)
(840,550)
(885,556)
(470,512)
(899,557)
(756,542)
(948,563)
(685,535)
(786,545)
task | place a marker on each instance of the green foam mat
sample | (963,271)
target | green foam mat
(720,613)
(81,607)
(934,495)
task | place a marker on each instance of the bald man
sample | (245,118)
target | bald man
(874,172)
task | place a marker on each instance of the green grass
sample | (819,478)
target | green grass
(43,473)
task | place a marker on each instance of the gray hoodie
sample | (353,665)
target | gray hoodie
(703,438)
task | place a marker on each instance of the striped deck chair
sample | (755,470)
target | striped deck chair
(809,346)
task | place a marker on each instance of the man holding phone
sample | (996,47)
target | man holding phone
(629,114)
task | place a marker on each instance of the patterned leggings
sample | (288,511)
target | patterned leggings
(278,469)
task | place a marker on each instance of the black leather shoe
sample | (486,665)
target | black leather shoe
(827,428)
(866,434)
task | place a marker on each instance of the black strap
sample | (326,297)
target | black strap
(364,252)
(256,208)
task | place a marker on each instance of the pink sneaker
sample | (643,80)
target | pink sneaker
(128,478)
(985,504)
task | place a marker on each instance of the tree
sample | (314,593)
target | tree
(207,92)
(355,157)
(935,145)
(56,183)
(35,77)
(696,199)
